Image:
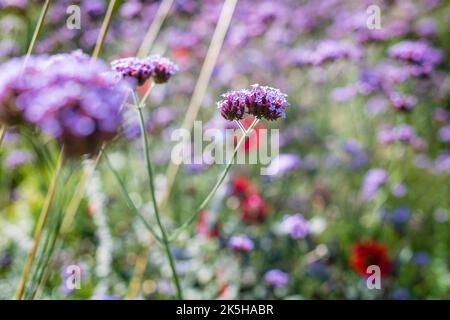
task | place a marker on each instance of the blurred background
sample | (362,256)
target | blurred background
(363,175)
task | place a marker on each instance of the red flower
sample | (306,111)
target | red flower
(368,253)
(205,227)
(253,208)
(241,187)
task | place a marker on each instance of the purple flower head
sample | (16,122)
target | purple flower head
(441,115)
(233,105)
(420,55)
(399,190)
(16,77)
(402,102)
(158,68)
(332,50)
(276,278)
(240,243)
(358,156)
(421,258)
(401,215)
(373,181)
(266,102)
(404,133)
(74,100)
(283,164)
(132,67)
(296,226)
(17,158)
(162,68)
(444,133)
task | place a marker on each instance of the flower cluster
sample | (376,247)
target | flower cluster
(66,96)
(252,205)
(260,101)
(419,54)
(158,68)
(373,181)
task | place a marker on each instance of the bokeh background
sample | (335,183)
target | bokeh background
(363,173)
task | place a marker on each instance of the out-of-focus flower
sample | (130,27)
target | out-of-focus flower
(399,190)
(402,102)
(74,100)
(205,227)
(373,181)
(296,226)
(441,115)
(444,133)
(17,158)
(367,253)
(400,294)
(358,156)
(419,54)
(242,187)
(276,278)
(421,258)
(240,243)
(329,51)
(283,164)
(253,209)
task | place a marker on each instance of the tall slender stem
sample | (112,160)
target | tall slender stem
(103,30)
(154,28)
(155,204)
(40,226)
(2,133)
(37,30)
(222,176)
(201,86)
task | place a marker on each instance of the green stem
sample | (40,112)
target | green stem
(155,205)
(224,173)
(130,202)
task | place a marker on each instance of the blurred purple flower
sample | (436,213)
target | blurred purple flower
(373,181)
(276,278)
(444,133)
(240,243)
(296,226)
(283,164)
(358,157)
(421,258)
(17,158)
(399,190)
(402,102)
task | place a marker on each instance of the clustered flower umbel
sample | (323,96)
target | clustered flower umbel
(66,96)
(160,69)
(260,101)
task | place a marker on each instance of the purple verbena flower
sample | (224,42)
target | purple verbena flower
(233,105)
(240,243)
(266,102)
(17,158)
(276,278)
(373,181)
(283,163)
(444,133)
(402,102)
(296,226)
(162,68)
(158,68)
(131,67)
(74,100)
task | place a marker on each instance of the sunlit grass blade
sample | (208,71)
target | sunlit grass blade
(40,226)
